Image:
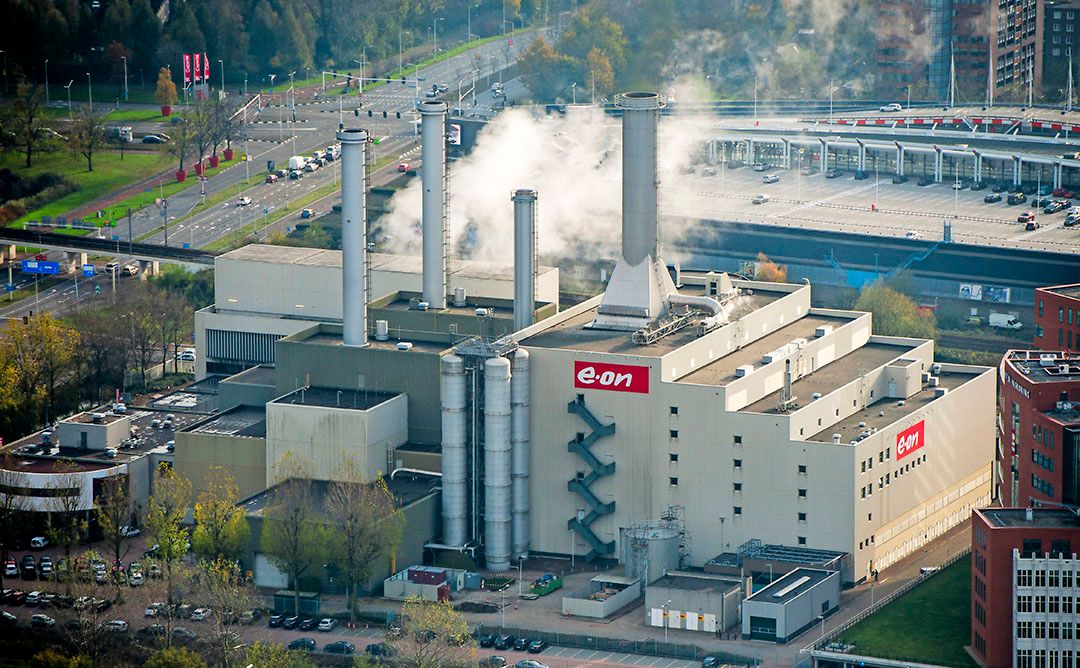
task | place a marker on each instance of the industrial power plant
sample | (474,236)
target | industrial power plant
(725,420)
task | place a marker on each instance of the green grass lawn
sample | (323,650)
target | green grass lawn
(135,115)
(110,173)
(929,624)
(165,189)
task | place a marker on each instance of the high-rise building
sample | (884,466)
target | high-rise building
(1016,44)
(919,41)
(1024,577)
(1061,29)
(1057,318)
(1039,424)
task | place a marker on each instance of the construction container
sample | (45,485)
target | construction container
(432,575)
(545,584)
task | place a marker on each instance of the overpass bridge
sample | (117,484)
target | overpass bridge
(145,253)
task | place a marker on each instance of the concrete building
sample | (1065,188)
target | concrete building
(416,496)
(235,440)
(1057,315)
(1024,578)
(693,601)
(1060,34)
(1016,45)
(1039,418)
(791,605)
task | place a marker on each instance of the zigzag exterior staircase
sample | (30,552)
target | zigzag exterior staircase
(580,486)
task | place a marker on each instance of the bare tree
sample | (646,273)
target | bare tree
(87,134)
(433,634)
(183,142)
(67,520)
(81,616)
(12,506)
(25,120)
(166,508)
(366,528)
(223,582)
(113,513)
(291,537)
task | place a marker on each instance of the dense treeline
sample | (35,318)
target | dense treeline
(252,37)
(786,48)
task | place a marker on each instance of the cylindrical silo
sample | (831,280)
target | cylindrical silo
(433,178)
(640,113)
(519,452)
(497,463)
(524,257)
(353,236)
(454,451)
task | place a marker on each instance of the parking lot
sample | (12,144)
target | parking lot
(873,206)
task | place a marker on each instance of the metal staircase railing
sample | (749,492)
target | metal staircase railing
(581,486)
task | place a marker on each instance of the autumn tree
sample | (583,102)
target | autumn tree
(367,527)
(25,120)
(768,271)
(221,530)
(267,654)
(421,621)
(601,74)
(165,512)
(87,134)
(895,314)
(67,521)
(80,624)
(113,513)
(175,657)
(165,94)
(37,357)
(223,582)
(544,69)
(291,536)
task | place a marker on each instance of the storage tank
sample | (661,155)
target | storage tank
(649,550)
(519,452)
(454,451)
(497,463)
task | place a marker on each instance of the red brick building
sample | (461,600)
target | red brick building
(1024,587)
(1057,315)
(1016,30)
(1039,422)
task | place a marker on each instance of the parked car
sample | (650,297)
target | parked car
(926,181)
(1031,225)
(1026,217)
(184,633)
(537,646)
(33,598)
(18,597)
(1016,198)
(912,234)
(761,166)
(303,644)
(404,167)
(274,621)
(41,621)
(38,542)
(339,647)
(29,568)
(978,185)
(290,622)
(760,198)
(151,631)
(529,663)
(770,178)
(327,624)
(1071,219)
(11,568)
(200,614)
(115,626)
(999,188)
(307,213)
(129,532)
(959,185)
(487,640)
(1042,202)
(711,662)
(992,198)
(308,624)
(1054,207)
(45,566)
(521,644)
(833,173)
(892,106)
(154,609)
(129,270)
(271,178)
(494,661)
(8,619)
(381,649)
(897,178)
(504,641)
(296,175)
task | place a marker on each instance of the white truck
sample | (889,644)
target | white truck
(1004,321)
(297,162)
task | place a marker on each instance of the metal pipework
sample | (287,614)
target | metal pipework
(497,463)
(639,199)
(454,451)
(433,177)
(524,257)
(519,453)
(354,236)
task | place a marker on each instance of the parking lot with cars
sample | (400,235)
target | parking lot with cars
(836,201)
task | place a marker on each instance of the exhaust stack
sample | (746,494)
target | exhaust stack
(354,235)
(639,285)
(433,177)
(524,258)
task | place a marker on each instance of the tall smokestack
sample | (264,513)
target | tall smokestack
(354,235)
(524,258)
(639,285)
(433,175)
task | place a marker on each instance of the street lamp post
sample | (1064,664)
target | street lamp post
(469,13)
(68,87)
(124,58)
(4,53)
(435,34)
(46,82)
(521,558)
(221,63)
(666,604)
(90,91)
(573,92)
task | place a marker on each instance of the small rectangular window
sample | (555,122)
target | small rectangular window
(802,540)
(737,510)
(674,481)
(673,433)
(738,463)
(869,517)
(738,440)
(674,410)
(737,486)
(802,517)
(802,468)
(802,493)
(673,457)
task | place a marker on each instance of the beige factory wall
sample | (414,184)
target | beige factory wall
(308,291)
(932,497)
(327,437)
(212,318)
(384,281)
(243,456)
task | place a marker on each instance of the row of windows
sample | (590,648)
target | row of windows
(1068,27)
(1061,314)
(1042,658)
(1045,604)
(1042,630)
(980,588)
(980,563)
(1067,341)
(1068,39)
(1042,460)
(1041,485)
(1068,15)
(980,613)
(1042,436)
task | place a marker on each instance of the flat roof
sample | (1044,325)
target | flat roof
(256,375)
(239,421)
(185,401)
(325,397)
(406,488)
(1016,518)
(886,411)
(503,308)
(791,585)
(572,334)
(703,582)
(722,371)
(406,264)
(324,338)
(772,552)
(1072,290)
(1029,363)
(1068,418)
(87,417)
(834,375)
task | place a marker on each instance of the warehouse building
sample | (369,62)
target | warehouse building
(791,605)
(693,601)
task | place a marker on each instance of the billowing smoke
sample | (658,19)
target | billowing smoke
(574,162)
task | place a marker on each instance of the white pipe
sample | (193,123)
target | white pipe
(497,463)
(433,177)
(353,236)
(519,453)
(454,451)
(524,258)
(719,313)
(406,469)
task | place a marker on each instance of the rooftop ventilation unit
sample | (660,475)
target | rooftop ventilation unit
(823,330)
(404,345)
(744,370)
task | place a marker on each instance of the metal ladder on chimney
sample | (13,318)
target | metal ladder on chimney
(580,485)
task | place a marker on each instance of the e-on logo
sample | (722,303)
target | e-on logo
(911,439)
(614,377)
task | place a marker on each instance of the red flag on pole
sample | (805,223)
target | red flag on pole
(198,68)
(206,68)
(187,68)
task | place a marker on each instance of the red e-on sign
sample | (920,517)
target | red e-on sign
(614,377)
(911,439)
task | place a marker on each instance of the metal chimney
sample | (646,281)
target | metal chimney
(640,283)
(524,258)
(433,176)
(354,235)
